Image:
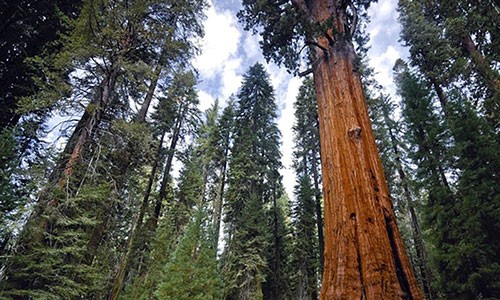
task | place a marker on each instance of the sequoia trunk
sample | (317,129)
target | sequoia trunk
(365,257)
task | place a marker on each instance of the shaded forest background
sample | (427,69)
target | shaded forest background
(103,218)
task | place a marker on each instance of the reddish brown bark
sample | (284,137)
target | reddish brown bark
(365,257)
(83,131)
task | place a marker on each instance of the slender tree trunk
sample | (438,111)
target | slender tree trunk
(365,257)
(276,269)
(443,100)
(84,129)
(141,115)
(490,76)
(220,196)
(319,213)
(136,228)
(74,150)
(168,165)
(421,251)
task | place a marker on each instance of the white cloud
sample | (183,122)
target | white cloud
(383,64)
(384,50)
(251,47)
(206,100)
(220,43)
(231,80)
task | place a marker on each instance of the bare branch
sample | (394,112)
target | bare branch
(305,73)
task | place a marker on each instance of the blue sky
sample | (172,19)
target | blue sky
(228,51)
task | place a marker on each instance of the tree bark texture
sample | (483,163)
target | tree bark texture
(365,257)
(86,126)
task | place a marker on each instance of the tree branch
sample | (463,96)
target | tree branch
(313,43)
(354,21)
(305,73)
(331,41)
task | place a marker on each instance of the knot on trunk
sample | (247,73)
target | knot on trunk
(354,133)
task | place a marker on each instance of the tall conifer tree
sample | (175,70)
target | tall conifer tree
(253,189)
(360,226)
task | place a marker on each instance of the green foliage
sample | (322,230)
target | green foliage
(56,267)
(144,285)
(29,29)
(460,213)
(253,187)
(469,267)
(305,254)
(305,260)
(11,199)
(451,43)
(287,27)
(306,128)
(192,272)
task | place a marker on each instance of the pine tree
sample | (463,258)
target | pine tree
(426,134)
(305,255)
(394,154)
(308,235)
(112,44)
(451,208)
(447,41)
(469,268)
(355,191)
(221,146)
(192,271)
(253,188)
(175,114)
(28,28)
(306,131)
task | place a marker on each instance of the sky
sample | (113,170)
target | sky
(227,51)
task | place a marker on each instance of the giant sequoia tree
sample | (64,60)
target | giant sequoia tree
(364,254)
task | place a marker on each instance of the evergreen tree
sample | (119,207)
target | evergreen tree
(253,188)
(447,41)
(306,131)
(28,28)
(176,114)
(112,44)
(220,151)
(305,260)
(469,268)
(354,186)
(308,235)
(394,154)
(192,271)
(452,207)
